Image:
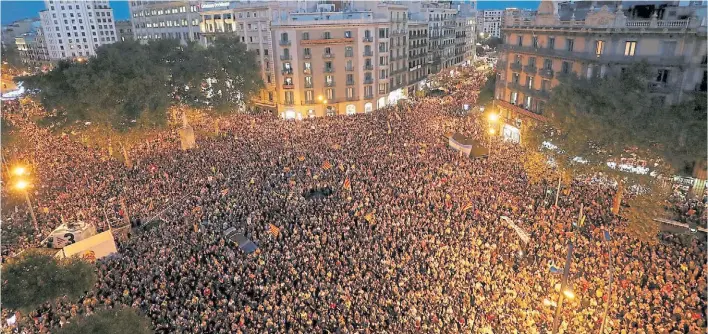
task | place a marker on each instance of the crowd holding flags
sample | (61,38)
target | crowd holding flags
(326,165)
(273,230)
(347,184)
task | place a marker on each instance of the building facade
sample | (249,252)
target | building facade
(75,29)
(603,40)
(251,23)
(489,22)
(465,40)
(166,19)
(125,30)
(32,48)
(417,56)
(16,28)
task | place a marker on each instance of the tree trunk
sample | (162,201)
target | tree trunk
(617,200)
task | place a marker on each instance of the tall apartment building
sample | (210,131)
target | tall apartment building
(251,22)
(160,19)
(125,30)
(595,42)
(441,32)
(489,22)
(465,38)
(76,28)
(417,56)
(32,48)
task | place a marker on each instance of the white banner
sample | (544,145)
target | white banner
(522,234)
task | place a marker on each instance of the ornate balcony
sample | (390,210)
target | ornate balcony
(530,69)
(546,73)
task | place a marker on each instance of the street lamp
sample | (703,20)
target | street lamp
(19,171)
(22,186)
(493,117)
(569,294)
(492,131)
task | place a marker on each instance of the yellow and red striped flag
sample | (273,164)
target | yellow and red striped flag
(326,165)
(467,207)
(273,230)
(347,184)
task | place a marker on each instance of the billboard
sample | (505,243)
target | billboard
(92,248)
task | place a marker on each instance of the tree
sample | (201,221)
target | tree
(110,321)
(591,124)
(128,84)
(486,94)
(491,41)
(34,278)
(9,54)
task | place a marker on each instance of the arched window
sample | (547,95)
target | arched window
(286,53)
(381,103)
(368,107)
(284,36)
(351,109)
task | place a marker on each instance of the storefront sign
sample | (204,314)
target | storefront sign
(215,5)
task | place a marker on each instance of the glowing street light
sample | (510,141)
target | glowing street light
(320,98)
(492,131)
(325,101)
(569,294)
(21,185)
(19,171)
(493,118)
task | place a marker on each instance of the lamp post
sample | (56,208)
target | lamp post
(22,186)
(566,290)
(609,284)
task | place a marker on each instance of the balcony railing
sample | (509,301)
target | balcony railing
(591,56)
(368,67)
(515,67)
(286,57)
(307,56)
(329,69)
(351,98)
(349,83)
(369,81)
(349,69)
(367,39)
(368,53)
(308,85)
(287,71)
(329,84)
(530,69)
(307,71)
(284,42)
(328,55)
(287,86)
(546,73)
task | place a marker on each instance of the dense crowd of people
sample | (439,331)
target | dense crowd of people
(409,241)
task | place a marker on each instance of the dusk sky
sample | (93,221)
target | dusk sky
(14,10)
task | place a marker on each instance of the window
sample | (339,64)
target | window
(367,33)
(515,77)
(529,82)
(350,79)
(350,66)
(350,92)
(662,75)
(309,96)
(328,51)
(517,59)
(349,51)
(283,36)
(551,43)
(630,47)
(547,64)
(308,52)
(327,35)
(382,33)
(288,81)
(382,47)
(520,40)
(599,48)
(532,61)
(545,85)
(330,94)
(382,74)
(328,66)
(347,34)
(329,80)
(308,82)
(311,113)
(368,91)
(569,43)
(534,41)
(565,67)
(305,36)
(289,97)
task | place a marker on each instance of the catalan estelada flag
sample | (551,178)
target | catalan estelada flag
(347,184)
(273,230)
(326,165)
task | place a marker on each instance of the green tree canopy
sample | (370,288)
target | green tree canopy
(109,321)
(33,278)
(128,83)
(596,120)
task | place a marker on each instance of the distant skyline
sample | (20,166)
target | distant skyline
(13,10)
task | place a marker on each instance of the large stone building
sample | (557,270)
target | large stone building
(489,22)
(340,57)
(587,41)
(75,29)
(32,48)
(465,34)
(160,19)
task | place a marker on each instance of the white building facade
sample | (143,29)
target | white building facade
(75,29)
(154,20)
(489,22)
